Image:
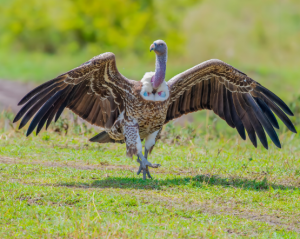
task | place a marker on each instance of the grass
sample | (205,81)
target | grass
(210,185)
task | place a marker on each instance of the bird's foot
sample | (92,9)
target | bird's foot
(144,166)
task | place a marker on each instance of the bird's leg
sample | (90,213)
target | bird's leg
(142,159)
(146,153)
(140,168)
(145,172)
(145,164)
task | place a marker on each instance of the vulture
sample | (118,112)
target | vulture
(131,111)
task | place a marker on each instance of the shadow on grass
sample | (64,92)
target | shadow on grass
(194,182)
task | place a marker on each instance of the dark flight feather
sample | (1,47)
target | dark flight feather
(245,119)
(227,112)
(36,107)
(275,98)
(236,119)
(40,88)
(43,110)
(263,120)
(35,99)
(44,119)
(279,113)
(269,114)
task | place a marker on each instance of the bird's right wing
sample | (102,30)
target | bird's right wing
(95,91)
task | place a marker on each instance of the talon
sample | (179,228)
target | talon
(144,175)
(148,173)
(154,165)
(139,171)
(144,166)
(140,168)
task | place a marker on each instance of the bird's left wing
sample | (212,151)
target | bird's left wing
(95,91)
(233,96)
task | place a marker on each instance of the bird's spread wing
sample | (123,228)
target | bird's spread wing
(232,95)
(94,91)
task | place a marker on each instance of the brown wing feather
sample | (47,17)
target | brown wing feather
(95,91)
(242,102)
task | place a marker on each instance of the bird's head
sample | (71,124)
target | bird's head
(159,47)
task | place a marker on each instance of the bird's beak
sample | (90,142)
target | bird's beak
(152,47)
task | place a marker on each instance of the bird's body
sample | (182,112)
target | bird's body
(130,111)
(147,113)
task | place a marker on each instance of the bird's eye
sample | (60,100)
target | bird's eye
(145,93)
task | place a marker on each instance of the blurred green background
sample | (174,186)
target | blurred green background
(42,39)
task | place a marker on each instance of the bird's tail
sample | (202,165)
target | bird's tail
(104,137)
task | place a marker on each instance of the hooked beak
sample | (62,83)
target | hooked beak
(152,47)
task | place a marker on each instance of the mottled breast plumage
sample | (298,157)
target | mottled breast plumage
(149,109)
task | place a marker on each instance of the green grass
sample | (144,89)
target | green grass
(210,186)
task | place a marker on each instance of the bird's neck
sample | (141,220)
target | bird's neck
(160,70)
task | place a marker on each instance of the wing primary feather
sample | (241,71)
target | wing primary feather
(275,98)
(50,115)
(235,118)
(40,88)
(34,100)
(36,107)
(269,114)
(226,110)
(51,112)
(263,120)
(67,101)
(279,113)
(221,101)
(259,130)
(245,119)
(43,110)
(59,112)
(43,120)
(57,105)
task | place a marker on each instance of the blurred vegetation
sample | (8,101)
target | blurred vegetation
(72,25)
(42,39)
(246,33)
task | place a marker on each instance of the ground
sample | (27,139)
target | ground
(54,185)
(11,93)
